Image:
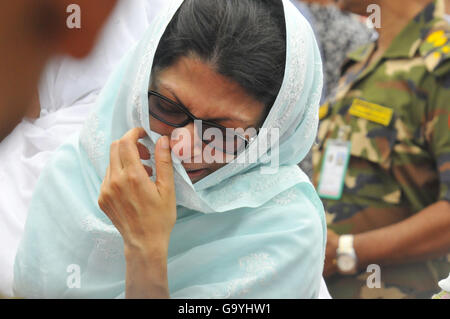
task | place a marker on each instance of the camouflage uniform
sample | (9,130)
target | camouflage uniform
(398,169)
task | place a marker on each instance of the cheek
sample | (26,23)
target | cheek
(159,127)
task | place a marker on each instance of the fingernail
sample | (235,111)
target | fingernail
(164,142)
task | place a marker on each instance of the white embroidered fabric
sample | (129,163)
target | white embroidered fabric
(67,92)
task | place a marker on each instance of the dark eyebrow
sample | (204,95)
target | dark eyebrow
(211,120)
(176,97)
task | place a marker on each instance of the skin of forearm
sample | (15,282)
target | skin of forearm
(146,274)
(422,236)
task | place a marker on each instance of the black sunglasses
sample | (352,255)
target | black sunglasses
(176,115)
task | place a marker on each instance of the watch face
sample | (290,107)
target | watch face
(346,263)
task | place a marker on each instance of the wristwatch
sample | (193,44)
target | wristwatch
(346,259)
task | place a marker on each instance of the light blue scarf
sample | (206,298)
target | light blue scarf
(241,232)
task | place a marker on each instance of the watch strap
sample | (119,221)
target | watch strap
(345,244)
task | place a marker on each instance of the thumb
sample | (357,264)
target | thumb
(164,166)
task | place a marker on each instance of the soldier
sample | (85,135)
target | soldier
(382,163)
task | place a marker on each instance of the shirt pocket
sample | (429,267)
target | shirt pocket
(368,176)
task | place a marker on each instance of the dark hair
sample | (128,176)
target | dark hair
(243,40)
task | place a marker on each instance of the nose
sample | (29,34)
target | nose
(186,144)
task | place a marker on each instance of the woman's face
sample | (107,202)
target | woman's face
(210,97)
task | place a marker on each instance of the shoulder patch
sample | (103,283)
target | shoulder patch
(436,49)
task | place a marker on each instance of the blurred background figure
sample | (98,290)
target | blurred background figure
(67,81)
(30,33)
(338,33)
(389,206)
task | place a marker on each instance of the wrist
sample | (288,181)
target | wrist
(363,244)
(156,252)
(146,274)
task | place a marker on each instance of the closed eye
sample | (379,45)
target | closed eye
(167,108)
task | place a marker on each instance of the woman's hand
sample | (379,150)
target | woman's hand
(144,212)
(330,267)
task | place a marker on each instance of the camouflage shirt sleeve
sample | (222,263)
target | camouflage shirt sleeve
(437,125)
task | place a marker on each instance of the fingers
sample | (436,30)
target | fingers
(114,158)
(164,166)
(127,153)
(128,148)
(124,152)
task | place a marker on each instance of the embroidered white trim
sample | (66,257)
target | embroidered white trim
(93,140)
(286,197)
(258,268)
(107,239)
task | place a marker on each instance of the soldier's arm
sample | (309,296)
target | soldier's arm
(427,233)
(420,237)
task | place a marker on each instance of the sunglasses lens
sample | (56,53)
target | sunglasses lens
(166,111)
